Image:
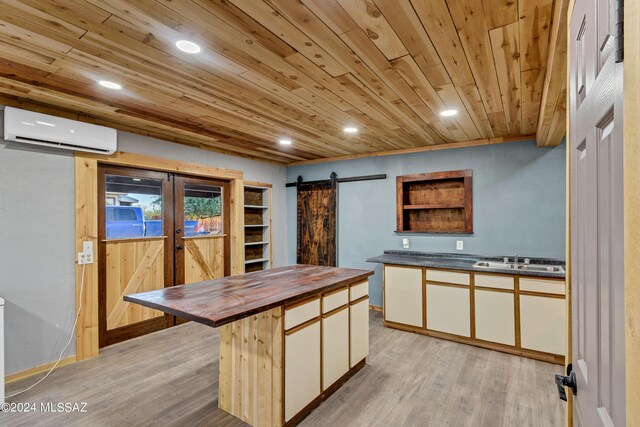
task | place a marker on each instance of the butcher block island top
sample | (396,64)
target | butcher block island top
(221,301)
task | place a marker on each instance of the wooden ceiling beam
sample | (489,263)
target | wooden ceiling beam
(552,116)
(468,17)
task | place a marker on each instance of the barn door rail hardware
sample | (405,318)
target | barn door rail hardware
(333,179)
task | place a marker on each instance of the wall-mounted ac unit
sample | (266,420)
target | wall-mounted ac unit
(41,129)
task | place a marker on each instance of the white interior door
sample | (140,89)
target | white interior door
(595,96)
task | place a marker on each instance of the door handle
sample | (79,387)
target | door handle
(569,380)
(179,230)
(179,247)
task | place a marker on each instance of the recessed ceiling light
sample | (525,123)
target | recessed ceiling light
(285,141)
(350,129)
(187,46)
(448,113)
(109,85)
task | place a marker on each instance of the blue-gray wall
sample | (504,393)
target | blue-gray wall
(518,204)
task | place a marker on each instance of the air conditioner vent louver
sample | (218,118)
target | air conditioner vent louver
(60,144)
(40,129)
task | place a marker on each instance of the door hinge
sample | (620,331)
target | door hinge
(619,31)
(566,381)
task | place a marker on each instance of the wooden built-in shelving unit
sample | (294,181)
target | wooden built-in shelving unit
(439,202)
(257,227)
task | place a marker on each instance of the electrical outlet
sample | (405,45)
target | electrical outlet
(405,243)
(85,258)
(460,245)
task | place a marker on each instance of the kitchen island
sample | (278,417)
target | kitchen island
(289,336)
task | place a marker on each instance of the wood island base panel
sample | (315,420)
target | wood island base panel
(289,336)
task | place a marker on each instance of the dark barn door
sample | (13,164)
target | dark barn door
(317,223)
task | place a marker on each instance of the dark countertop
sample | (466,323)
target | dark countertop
(463,262)
(221,301)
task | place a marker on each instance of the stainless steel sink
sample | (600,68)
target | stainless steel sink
(541,267)
(512,266)
(491,264)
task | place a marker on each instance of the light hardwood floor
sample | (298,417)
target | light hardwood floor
(170,378)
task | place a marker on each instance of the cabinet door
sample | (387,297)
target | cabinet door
(542,323)
(335,347)
(448,310)
(359,328)
(302,369)
(495,318)
(403,295)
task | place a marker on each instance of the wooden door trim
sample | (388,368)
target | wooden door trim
(86,227)
(106,336)
(631,106)
(123,158)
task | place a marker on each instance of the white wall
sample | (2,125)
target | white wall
(37,227)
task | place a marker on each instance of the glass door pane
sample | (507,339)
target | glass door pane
(133,207)
(202,210)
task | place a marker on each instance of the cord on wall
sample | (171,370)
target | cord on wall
(73,332)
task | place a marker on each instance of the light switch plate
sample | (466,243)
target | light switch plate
(460,245)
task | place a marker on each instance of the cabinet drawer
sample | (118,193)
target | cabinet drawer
(491,281)
(302,313)
(448,310)
(334,300)
(358,291)
(454,277)
(542,285)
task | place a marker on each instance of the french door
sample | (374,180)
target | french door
(155,230)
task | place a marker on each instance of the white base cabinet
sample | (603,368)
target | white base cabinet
(403,295)
(517,314)
(495,317)
(448,310)
(359,326)
(302,369)
(335,346)
(324,338)
(542,323)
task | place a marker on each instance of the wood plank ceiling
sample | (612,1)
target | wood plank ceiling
(300,69)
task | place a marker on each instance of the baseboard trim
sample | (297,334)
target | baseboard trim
(375,307)
(37,370)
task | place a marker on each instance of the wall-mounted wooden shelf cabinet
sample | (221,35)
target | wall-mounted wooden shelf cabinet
(257,228)
(439,202)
